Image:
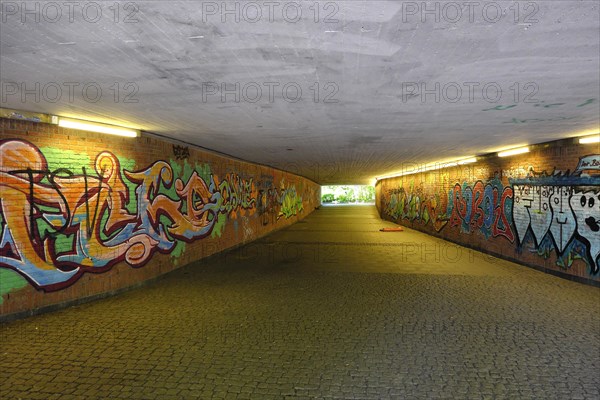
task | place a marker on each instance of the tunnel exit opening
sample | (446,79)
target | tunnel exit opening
(348,194)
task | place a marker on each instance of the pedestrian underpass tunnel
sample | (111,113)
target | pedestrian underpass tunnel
(326,308)
(343,199)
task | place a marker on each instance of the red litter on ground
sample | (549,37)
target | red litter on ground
(395,229)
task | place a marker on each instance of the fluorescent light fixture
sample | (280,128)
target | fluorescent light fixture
(446,165)
(590,139)
(97,127)
(513,152)
(467,161)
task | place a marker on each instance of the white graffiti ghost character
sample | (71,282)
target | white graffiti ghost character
(563,220)
(522,203)
(586,206)
(540,212)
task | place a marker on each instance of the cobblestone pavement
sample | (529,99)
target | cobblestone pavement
(329,308)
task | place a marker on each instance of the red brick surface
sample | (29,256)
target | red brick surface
(146,150)
(431,192)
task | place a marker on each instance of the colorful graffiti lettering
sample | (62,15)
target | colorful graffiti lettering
(236,193)
(274,203)
(58,224)
(415,206)
(485,207)
(555,212)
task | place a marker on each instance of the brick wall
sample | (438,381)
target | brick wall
(85,214)
(538,209)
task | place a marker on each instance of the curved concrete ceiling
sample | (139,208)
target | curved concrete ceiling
(382,83)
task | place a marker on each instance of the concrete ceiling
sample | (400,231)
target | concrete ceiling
(170,54)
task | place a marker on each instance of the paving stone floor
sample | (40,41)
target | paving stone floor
(329,308)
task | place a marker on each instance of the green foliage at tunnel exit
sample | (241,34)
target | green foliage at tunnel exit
(347,194)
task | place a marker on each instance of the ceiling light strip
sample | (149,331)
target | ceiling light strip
(97,127)
(514,152)
(595,138)
(433,167)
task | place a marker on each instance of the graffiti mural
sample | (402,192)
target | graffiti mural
(291,203)
(557,212)
(275,203)
(563,223)
(563,209)
(58,224)
(414,205)
(586,206)
(484,207)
